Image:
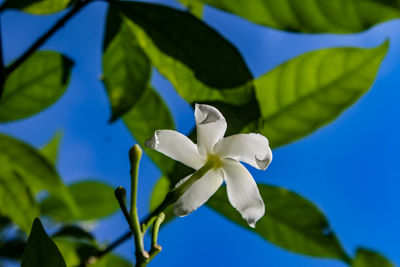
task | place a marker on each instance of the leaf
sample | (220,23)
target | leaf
(36,171)
(37,7)
(40,250)
(35,85)
(148,115)
(75,232)
(17,200)
(127,69)
(94,199)
(314,16)
(12,249)
(50,150)
(73,251)
(303,94)
(111,260)
(195,58)
(368,258)
(160,190)
(194,7)
(290,221)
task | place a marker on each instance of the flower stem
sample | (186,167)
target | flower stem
(141,254)
(170,198)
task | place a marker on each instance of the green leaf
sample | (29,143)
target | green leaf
(37,7)
(314,16)
(35,85)
(111,260)
(17,200)
(290,221)
(148,115)
(94,199)
(127,69)
(194,7)
(368,258)
(41,250)
(307,92)
(50,150)
(160,190)
(74,232)
(195,58)
(36,171)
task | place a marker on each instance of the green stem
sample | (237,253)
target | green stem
(120,194)
(171,198)
(141,254)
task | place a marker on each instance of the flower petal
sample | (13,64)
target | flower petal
(176,146)
(198,193)
(211,127)
(250,148)
(243,192)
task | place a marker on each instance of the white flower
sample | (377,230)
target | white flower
(242,190)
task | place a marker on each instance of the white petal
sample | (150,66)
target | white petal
(250,148)
(243,192)
(176,146)
(198,193)
(211,127)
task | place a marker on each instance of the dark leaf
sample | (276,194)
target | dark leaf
(40,250)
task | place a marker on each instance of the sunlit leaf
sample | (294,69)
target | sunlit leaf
(307,92)
(126,67)
(37,7)
(41,250)
(149,114)
(17,200)
(93,198)
(50,150)
(195,58)
(290,221)
(335,16)
(38,173)
(369,258)
(111,260)
(35,85)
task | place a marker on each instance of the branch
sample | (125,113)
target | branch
(39,42)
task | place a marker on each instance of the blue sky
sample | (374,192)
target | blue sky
(348,168)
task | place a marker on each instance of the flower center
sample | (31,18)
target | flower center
(215,160)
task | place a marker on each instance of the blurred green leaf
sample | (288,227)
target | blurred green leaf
(148,115)
(35,85)
(160,190)
(303,94)
(93,198)
(37,7)
(17,200)
(111,260)
(40,250)
(50,150)
(368,258)
(194,7)
(290,221)
(37,172)
(76,251)
(12,249)
(74,232)
(314,16)
(127,69)
(195,58)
